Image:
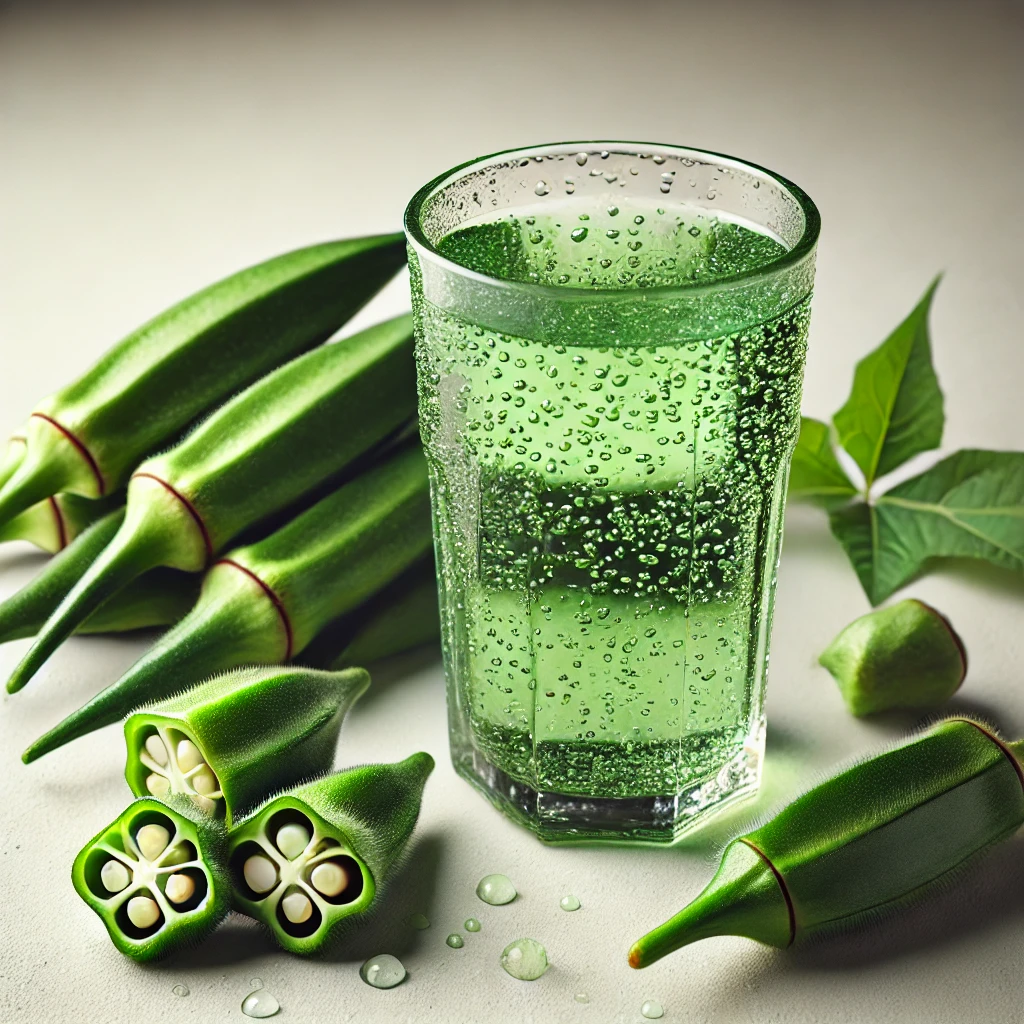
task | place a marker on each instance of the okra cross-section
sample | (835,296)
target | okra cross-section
(228,742)
(319,855)
(156,877)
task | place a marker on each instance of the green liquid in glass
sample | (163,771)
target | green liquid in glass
(607,612)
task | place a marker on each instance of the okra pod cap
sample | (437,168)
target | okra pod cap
(156,877)
(860,845)
(89,436)
(904,656)
(232,740)
(318,856)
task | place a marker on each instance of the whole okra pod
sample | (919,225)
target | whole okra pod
(264,603)
(277,441)
(156,876)
(863,843)
(320,855)
(229,742)
(90,436)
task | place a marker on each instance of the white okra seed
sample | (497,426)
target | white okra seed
(157,749)
(179,888)
(157,785)
(115,876)
(143,911)
(329,878)
(204,782)
(152,840)
(204,803)
(260,873)
(189,756)
(292,839)
(297,908)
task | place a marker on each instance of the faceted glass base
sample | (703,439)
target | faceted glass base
(561,817)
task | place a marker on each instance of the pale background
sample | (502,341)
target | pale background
(147,151)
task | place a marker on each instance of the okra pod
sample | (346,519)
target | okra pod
(55,522)
(403,616)
(277,441)
(229,742)
(320,855)
(12,456)
(866,842)
(264,603)
(156,876)
(90,436)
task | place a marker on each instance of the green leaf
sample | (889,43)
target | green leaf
(895,407)
(815,474)
(970,505)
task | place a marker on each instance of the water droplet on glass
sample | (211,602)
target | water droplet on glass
(542,188)
(578,234)
(471,924)
(665,186)
(581,158)
(260,1004)
(569,902)
(581,997)
(659,159)
(383,971)
(455,940)
(496,890)
(652,1010)
(525,959)
(420,922)
(180,990)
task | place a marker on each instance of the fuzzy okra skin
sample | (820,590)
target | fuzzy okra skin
(156,876)
(318,856)
(226,743)
(57,521)
(403,616)
(90,436)
(863,844)
(264,603)
(277,441)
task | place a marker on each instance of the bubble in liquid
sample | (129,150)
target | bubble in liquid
(578,234)
(497,890)
(524,959)
(383,971)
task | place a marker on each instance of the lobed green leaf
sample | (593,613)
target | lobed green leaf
(815,473)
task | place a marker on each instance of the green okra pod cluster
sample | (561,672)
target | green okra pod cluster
(89,437)
(264,603)
(279,440)
(156,877)
(226,743)
(862,844)
(315,858)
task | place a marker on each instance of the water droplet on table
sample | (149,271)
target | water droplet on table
(420,922)
(455,940)
(383,971)
(260,1004)
(471,924)
(180,990)
(256,983)
(569,902)
(525,959)
(581,997)
(496,890)
(652,1010)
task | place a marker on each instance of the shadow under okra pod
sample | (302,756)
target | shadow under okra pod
(317,858)
(861,845)
(264,603)
(143,393)
(280,439)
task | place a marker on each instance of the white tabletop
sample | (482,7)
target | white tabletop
(146,154)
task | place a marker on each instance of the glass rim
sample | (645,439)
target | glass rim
(790,258)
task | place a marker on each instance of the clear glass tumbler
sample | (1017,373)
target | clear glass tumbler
(611,341)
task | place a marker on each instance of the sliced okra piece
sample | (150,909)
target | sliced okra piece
(315,859)
(156,877)
(226,743)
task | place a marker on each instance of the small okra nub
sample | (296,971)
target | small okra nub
(904,656)
(55,522)
(402,617)
(279,440)
(320,855)
(867,841)
(226,743)
(88,437)
(264,603)
(156,876)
